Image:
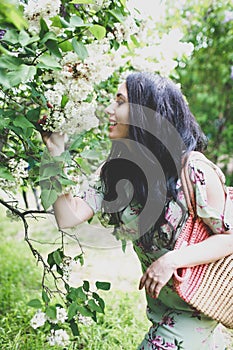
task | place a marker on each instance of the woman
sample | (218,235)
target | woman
(140,193)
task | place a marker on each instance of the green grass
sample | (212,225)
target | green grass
(122,327)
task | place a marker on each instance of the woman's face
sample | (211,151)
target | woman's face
(118,112)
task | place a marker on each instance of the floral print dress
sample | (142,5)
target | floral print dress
(174,324)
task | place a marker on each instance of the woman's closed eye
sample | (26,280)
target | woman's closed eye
(120,102)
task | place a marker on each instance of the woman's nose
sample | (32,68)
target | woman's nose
(110,109)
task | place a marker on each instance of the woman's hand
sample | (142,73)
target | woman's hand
(54,142)
(157,275)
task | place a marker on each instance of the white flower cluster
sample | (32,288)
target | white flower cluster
(97,4)
(40,318)
(87,321)
(19,170)
(84,182)
(7,185)
(160,53)
(67,267)
(123,31)
(61,316)
(76,81)
(58,337)
(35,9)
(228,16)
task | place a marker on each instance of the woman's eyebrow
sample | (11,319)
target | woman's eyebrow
(119,94)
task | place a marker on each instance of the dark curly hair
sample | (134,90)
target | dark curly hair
(162,130)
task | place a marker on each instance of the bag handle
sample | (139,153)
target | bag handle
(188,187)
(191,204)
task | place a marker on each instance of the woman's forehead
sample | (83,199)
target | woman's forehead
(122,90)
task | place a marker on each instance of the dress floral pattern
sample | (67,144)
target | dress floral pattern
(174,324)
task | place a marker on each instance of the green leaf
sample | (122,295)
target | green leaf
(80,49)
(22,74)
(76,293)
(48,197)
(117,14)
(36,303)
(76,21)
(134,40)
(45,297)
(76,143)
(43,28)
(25,39)
(80,258)
(57,185)
(99,299)
(57,257)
(4,78)
(5,174)
(94,306)
(80,294)
(66,46)
(51,312)
(64,101)
(10,62)
(33,114)
(123,2)
(64,23)
(90,154)
(103,285)
(4,122)
(86,286)
(74,328)
(98,31)
(66,182)
(49,170)
(83,310)
(46,61)
(49,36)
(12,14)
(123,245)
(72,310)
(22,122)
(56,22)
(53,48)
(50,260)
(11,36)
(71,296)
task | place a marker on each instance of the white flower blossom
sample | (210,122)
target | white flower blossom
(123,31)
(228,16)
(58,337)
(87,321)
(35,9)
(19,170)
(7,185)
(61,316)
(160,53)
(99,4)
(38,319)
(67,267)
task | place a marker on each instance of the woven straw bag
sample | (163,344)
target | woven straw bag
(208,287)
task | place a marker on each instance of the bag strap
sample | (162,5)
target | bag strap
(188,187)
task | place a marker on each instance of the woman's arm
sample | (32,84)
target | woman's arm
(212,249)
(69,211)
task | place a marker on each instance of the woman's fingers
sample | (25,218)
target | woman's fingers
(150,284)
(142,281)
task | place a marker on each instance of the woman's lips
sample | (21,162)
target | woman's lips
(112,124)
